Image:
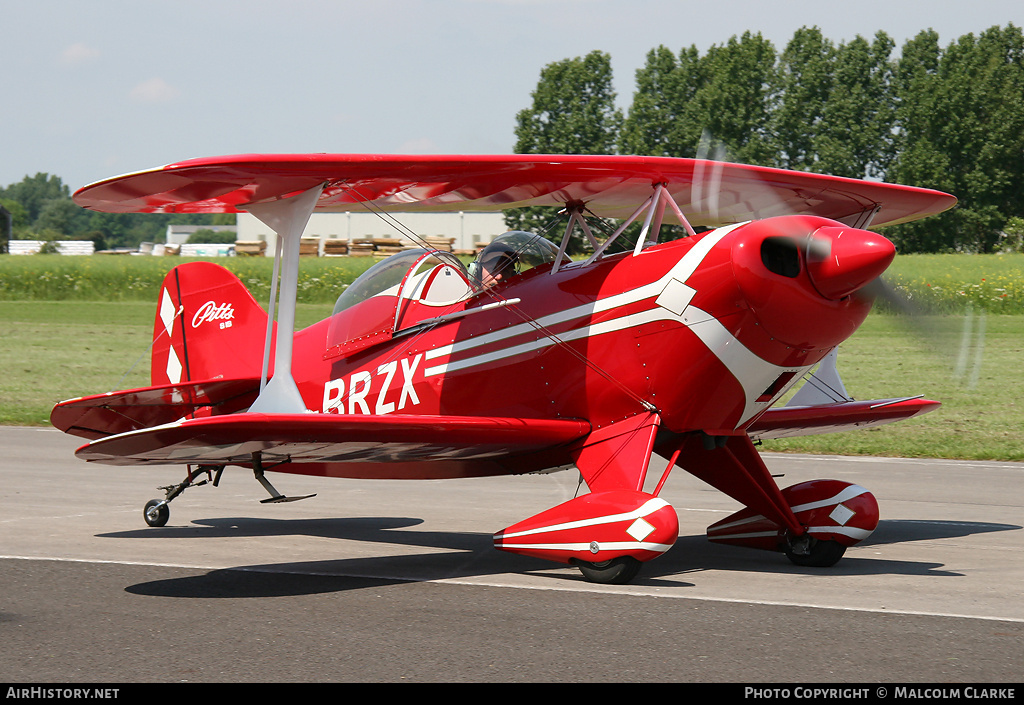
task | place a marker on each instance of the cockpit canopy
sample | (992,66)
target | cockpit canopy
(512,253)
(418,285)
(389,274)
(398,292)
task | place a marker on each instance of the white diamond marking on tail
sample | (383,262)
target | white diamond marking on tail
(167,312)
(173,366)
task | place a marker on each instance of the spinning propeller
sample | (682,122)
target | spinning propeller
(846,261)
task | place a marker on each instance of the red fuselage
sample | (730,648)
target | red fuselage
(708,331)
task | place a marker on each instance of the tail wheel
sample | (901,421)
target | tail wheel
(156,512)
(816,554)
(617,571)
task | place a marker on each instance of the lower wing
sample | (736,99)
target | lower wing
(333,438)
(787,421)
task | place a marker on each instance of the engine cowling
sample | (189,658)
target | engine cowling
(798,275)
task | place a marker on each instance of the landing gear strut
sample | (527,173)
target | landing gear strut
(157,511)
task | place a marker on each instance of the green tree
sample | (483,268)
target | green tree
(19,216)
(725,94)
(61,216)
(211,237)
(13,220)
(33,192)
(8,217)
(1013,235)
(733,104)
(801,88)
(919,160)
(113,229)
(573,109)
(961,129)
(833,106)
(856,125)
(662,118)
(572,112)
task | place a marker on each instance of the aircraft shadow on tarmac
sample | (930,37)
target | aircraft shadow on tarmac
(471,555)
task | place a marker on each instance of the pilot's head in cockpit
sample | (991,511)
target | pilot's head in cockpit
(498,262)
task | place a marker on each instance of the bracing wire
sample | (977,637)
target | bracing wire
(149,350)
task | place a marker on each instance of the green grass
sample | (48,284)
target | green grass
(57,350)
(940,283)
(51,351)
(82,325)
(949,283)
(982,390)
(126,278)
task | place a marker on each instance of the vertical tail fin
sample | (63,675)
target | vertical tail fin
(207,326)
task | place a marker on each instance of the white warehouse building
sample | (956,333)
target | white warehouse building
(468,230)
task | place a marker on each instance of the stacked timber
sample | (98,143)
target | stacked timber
(387,246)
(335,247)
(250,247)
(309,247)
(361,248)
(438,242)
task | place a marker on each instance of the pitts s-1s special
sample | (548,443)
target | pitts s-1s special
(526,360)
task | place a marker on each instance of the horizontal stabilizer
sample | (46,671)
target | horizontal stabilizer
(787,421)
(112,413)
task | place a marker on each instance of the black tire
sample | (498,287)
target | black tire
(156,512)
(823,554)
(617,571)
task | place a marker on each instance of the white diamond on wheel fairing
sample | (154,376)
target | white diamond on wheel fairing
(640,529)
(841,515)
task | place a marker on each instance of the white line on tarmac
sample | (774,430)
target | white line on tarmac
(626,590)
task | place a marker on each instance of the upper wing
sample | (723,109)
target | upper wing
(333,438)
(709,193)
(787,421)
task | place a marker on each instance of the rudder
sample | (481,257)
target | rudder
(207,326)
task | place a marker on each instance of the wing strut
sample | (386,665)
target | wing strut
(655,211)
(575,216)
(825,386)
(287,217)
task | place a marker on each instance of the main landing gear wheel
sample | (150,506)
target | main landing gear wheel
(813,553)
(156,512)
(616,571)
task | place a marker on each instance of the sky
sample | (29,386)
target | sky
(96,89)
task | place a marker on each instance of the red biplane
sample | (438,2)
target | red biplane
(527,360)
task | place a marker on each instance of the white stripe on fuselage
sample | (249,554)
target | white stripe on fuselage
(682,270)
(753,373)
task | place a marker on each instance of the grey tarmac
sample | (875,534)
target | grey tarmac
(397,581)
